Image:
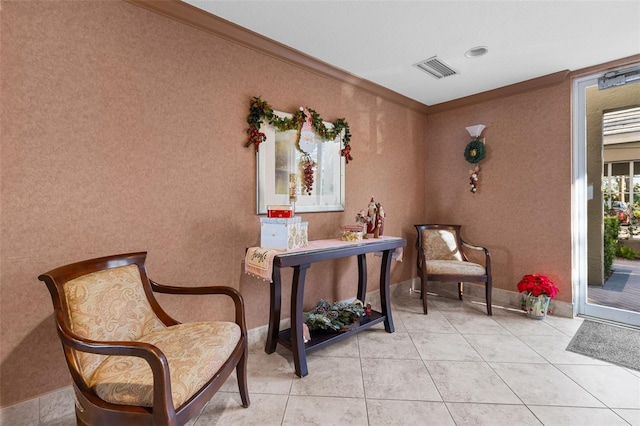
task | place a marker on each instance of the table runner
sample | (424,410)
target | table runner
(259,262)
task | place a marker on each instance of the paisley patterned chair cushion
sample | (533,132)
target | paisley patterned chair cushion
(440,245)
(195,351)
(453,267)
(109,305)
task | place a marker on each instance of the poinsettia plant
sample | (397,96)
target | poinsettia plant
(537,285)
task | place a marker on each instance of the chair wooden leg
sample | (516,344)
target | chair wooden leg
(423,295)
(79,422)
(487,295)
(241,372)
(460,291)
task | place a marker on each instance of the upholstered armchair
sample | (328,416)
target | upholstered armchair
(131,363)
(442,257)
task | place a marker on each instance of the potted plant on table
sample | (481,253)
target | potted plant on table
(536,292)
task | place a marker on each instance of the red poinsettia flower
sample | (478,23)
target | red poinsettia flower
(537,285)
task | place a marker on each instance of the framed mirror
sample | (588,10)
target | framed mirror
(306,170)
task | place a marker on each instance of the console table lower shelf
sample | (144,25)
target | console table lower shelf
(321,339)
(300,260)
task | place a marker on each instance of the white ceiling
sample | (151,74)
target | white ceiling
(380,41)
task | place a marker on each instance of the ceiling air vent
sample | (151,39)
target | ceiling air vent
(436,67)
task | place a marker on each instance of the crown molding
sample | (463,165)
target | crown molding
(602,68)
(202,20)
(503,92)
(533,84)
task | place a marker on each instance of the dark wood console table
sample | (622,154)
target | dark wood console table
(300,260)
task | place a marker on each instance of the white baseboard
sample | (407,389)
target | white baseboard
(475,292)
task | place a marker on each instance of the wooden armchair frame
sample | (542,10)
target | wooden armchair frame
(94,411)
(452,277)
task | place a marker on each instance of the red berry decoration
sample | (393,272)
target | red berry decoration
(346,153)
(473,181)
(306,170)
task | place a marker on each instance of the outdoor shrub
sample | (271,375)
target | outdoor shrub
(628,253)
(611,228)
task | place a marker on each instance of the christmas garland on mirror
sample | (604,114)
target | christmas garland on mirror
(260,111)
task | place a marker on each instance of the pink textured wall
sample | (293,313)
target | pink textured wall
(123,130)
(522,210)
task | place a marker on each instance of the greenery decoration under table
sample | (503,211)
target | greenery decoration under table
(335,317)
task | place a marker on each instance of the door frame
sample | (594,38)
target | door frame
(580,195)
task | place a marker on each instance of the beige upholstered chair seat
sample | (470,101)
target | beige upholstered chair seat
(194,351)
(453,267)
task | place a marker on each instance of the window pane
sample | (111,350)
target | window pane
(620,169)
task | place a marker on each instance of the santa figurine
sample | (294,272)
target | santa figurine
(372,221)
(379,221)
(307,142)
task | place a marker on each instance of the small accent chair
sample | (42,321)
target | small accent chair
(441,257)
(131,363)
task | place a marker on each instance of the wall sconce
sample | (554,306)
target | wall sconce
(474,152)
(476,131)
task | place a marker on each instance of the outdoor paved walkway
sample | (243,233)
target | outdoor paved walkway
(622,289)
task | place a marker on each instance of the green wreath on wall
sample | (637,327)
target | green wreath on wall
(475,151)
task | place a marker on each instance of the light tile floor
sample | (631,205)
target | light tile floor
(454,366)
